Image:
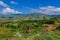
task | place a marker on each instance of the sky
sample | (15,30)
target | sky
(51,7)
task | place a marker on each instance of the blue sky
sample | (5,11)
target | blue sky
(30,6)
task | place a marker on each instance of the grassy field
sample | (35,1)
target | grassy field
(30,30)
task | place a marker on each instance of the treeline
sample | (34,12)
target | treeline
(27,25)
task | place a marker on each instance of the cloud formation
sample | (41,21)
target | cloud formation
(51,10)
(3,4)
(9,10)
(47,10)
(13,2)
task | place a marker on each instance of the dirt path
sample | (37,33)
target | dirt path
(50,27)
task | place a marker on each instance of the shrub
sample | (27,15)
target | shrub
(58,28)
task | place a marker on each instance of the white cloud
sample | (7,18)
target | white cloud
(50,10)
(9,10)
(47,10)
(34,10)
(12,2)
(3,4)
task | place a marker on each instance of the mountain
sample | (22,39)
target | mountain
(32,16)
(54,16)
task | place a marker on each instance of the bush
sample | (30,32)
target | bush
(48,22)
(58,28)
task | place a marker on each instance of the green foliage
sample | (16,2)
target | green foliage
(29,27)
(58,28)
(47,22)
(52,35)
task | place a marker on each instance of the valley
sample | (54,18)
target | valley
(33,27)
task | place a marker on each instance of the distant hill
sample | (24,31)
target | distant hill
(54,16)
(34,16)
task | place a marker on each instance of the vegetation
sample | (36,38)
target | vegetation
(14,29)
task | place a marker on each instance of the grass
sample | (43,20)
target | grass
(6,32)
(31,35)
